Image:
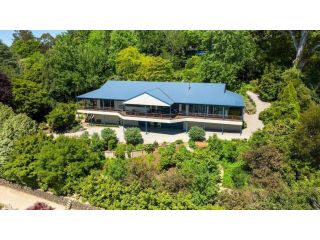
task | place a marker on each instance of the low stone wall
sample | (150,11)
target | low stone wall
(137,153)
(76,205)
(134,153)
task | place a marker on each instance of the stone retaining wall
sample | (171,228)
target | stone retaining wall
(76,205)
(134,153)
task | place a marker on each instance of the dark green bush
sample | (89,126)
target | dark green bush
(110,138)
(149,148)
(197,133)
(62,117)
(117,168)
(133,136)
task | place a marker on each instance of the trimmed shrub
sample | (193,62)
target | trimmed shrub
(133,136)
(197,133)
(109,137)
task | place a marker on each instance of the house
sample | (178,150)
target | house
(178,105)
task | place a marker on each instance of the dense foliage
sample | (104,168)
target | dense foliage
(276,168)
(62,117)
(5,89)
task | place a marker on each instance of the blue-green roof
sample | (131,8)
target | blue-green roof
(168,92)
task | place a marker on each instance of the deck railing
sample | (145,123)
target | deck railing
(164,115)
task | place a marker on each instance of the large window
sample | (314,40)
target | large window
(218,110)
(197,108)
(106,103)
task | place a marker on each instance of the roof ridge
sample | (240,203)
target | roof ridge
(164,93)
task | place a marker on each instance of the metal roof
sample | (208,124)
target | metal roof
(168,92)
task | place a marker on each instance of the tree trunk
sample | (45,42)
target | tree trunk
(299,46)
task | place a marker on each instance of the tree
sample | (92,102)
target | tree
(133,136)
(62,117)
(266,164)
(231,57)
(150,42)
(46,41)
(307,137)
(173,181)
(32,67)
(122,39)
(217,71)
(155,69)
(108,193)
(167,158)
(109,137)
(304,94)
(136,66)
(24,35)
(299,46)
(117,168)
(30,98)
(78,62)
(175,44)
(305,43)
(5,89)
(8,63)
(128,62)
(202,169)
(275,46)
(61,164)
(196,133)
(192,71)
(141,170)
(12,129)
(287,107)
(270,83)
(6,112)
(25,48)
(20,165)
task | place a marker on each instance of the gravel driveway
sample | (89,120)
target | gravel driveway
(20,200)
(253,122)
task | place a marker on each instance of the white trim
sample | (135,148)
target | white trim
(161,120)
(146,100)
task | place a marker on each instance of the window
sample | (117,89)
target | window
(210,109)
(108,103)
(218,110)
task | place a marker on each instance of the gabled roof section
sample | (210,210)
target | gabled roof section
(168,92)
(161,95)
(146,99)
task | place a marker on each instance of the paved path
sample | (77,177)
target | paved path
(253,122)
(20,200)
(171,135)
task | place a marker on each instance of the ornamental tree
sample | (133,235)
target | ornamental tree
(133,136)
(196,133)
